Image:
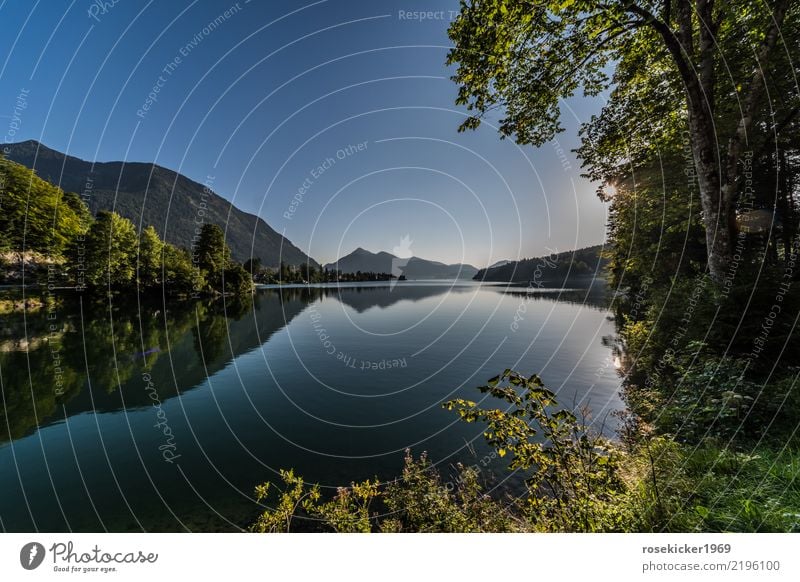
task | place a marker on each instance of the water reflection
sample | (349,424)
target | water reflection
(248,387)
(89,356)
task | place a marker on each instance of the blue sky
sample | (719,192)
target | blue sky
(264,99)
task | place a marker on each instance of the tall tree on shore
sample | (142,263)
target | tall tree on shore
(212,253)
(36,215)
(253,266)
(149,260)
(181,276)
(109,251)
(523,56)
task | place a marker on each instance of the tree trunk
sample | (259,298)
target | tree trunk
(717,219)
(717,171)
(716,205)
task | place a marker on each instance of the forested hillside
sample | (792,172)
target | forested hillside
(553,269)
(155,196)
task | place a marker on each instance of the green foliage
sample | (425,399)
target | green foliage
(35,215)
(701,395)
(655,230)
(346,512)
(181,277)
(110,251)
(573,483)
(212,253)
(418,501)
(253,266)
(213,257)
(105,252)
(237,280)
(421,501)
(524,57)
(151,248)
(573,474)
(78,206)
(713,488)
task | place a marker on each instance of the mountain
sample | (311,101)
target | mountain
(413,268)
(554,269)
(364,261)
(172,203)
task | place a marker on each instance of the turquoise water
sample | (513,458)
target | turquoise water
(130,417)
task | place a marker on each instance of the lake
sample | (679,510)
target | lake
(128,416)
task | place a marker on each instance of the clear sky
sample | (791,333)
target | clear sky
(263,99)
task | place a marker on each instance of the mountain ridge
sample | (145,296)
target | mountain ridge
(366,261)
(556,268)
(152,195)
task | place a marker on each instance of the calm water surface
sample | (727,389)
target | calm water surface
(112,421)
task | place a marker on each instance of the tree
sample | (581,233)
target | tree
(78,206)
(308,272)
(237,280)
(149,259)
(655,230)
(523,57)
(253,266)
(109,251)
(212,253)
(181,277)
(35,215)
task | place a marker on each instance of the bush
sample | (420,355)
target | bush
(574,479)
(576,482)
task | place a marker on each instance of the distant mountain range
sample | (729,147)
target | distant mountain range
(554,269)
(170,202)
(412,268)
(151,195)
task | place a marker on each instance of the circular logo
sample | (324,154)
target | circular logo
(31,555)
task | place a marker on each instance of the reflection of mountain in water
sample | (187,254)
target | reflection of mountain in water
(44,368)
(44,362)
(361,298)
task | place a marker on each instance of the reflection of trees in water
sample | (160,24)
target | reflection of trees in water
(361,298)
(44,368)
(210,335)
(30,376)
(595,297)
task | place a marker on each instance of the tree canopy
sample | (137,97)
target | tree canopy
(715,75)
(106,252)
(35,215)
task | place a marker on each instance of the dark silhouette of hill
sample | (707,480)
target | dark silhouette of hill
(570,267)
(159,197)
(413,268)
